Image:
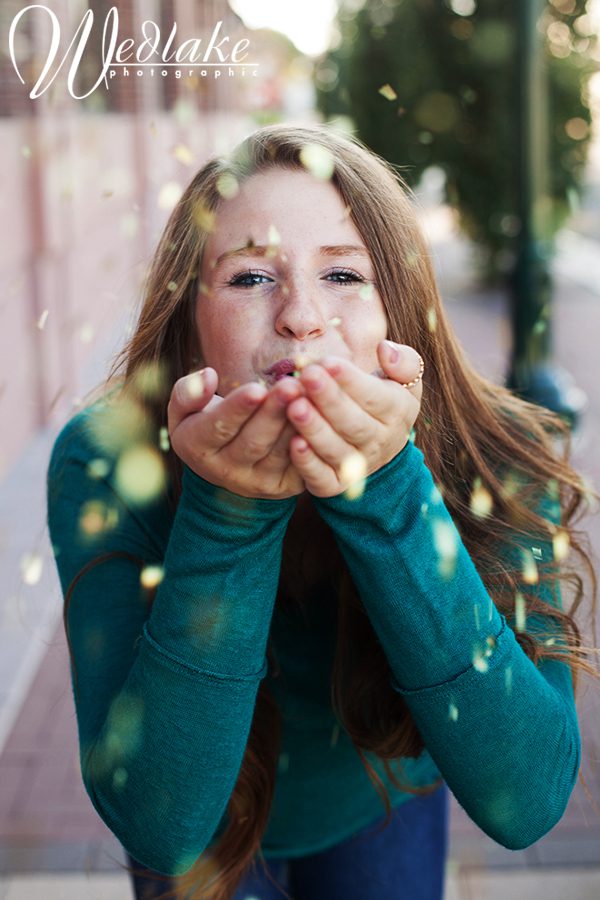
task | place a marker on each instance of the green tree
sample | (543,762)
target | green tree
(452,68)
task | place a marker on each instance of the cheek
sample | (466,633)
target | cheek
(226,336)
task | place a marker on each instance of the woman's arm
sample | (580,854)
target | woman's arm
(502,732)
(164,701)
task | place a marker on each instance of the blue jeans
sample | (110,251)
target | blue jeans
(404,861)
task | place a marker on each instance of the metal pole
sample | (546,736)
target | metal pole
(531,373)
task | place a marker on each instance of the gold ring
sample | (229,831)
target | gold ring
(410,384)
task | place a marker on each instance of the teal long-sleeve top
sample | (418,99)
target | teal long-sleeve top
(165,698)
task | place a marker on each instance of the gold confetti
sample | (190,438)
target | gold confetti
(481,500)
(529,567)
(169,194)
(560,544)
(194,385)
(140,473)
(452,712)
(31,566)
(42,320)
(96,517)
(445,541)
(26,151)
(149,379)
(98,468)
(353,472)
(120,778)
(508,679)
(479,662)
(163,440)
(366,291)
(151,576)
(336,321)
(172,286)
(152,128)
(203,216)
(537,552)
(335,735)
(388,92)
(520,612)
(86,333)
(227,185)
(183,154)
(431,318)
(106,194)
(318,160)
(284,762)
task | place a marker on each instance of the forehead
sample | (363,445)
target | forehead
(300,207)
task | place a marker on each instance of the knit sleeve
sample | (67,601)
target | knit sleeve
(164,699)
(484,710)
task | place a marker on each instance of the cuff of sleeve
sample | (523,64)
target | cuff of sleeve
(236,507)
(397,473)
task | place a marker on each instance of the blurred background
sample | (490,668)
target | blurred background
(489,110)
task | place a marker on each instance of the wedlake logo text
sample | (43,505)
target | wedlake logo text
(212,57)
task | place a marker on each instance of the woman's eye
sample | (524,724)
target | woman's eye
(346,276)
(247,279)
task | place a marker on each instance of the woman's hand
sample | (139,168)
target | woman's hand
(239,442)
(351,420)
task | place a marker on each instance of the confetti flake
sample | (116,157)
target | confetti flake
(140,474)
(335,733)
(431,319)
(26,151)
(94,518)
(169,194)
(529,567)
(388,92)
(163,440)
(318,160)
(130,224)
(172,286)
(120,778)
(31,568)
(151,576)
(98,468)
(508,680)
(227,185)
(481,500)
(520,612)
(353,472)
(366,291)
(284,762)
(194,385)
(336,321)
(452,712)
(445,539)
(86,333)
(203,217)
(560,544)
(479,662)
(183,154)
(42,320)
(537,552)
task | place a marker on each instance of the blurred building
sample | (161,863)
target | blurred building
(86,188)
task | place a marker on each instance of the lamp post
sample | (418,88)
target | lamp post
(531,373)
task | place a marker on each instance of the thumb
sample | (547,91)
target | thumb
(190,394)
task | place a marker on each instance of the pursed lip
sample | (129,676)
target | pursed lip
(279,370)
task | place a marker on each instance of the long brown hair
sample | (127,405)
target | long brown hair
(475,436)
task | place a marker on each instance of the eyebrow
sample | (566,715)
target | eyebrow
(326,250)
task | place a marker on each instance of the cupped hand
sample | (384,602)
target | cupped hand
(239,442)
(352,423)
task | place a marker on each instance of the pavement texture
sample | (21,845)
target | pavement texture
(52,842)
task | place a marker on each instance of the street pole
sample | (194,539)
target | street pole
(532,374)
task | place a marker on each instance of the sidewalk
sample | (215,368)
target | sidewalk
(52,843)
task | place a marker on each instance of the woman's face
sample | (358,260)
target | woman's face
(285,276)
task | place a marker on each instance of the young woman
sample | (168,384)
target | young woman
(290,599)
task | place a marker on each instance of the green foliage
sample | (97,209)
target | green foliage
(453,67)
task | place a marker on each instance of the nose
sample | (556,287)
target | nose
(300,315)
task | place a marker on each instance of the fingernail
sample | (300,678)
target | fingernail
(393,354)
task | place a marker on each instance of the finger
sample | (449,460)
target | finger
(348,418)
(403,365)
(255,440)
(279,454)
(323,438)
(375,395)
(224,417)
(319,478)
(190,394)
